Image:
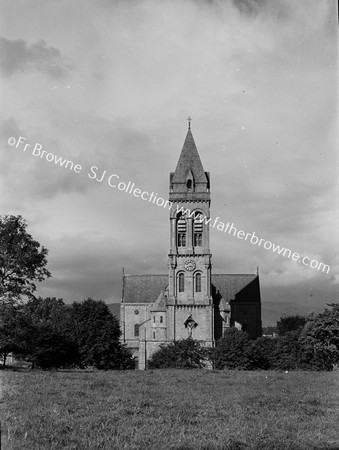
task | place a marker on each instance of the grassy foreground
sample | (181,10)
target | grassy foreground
(169,409)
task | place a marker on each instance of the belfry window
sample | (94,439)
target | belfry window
(197,239)
(197,230)
(198,282)
(189,185)
(161,320)
(181,239)
(181,232)
(136,330)
(181,282)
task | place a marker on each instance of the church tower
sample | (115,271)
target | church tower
(188,301)
(189,261)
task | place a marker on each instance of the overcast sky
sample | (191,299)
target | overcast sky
(111,83)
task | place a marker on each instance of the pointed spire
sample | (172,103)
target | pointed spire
(189,161)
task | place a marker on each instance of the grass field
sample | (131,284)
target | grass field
(169,409)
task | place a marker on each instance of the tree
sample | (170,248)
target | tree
(231,351)
(22,259)
(49,311)
(183,354)
(290,323)
(49,334)
(260,352)
(320,340)
(9,330)
(96,332)
(41,334)
(286,354)
(45,348)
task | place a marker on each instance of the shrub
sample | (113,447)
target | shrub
(285,355)
(290,323)
(320,340)
(96,333)
(52,350)
(261,352)
(232,351)
(183,354)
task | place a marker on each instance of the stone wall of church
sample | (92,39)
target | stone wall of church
(132,315)
(202,316)
(151,325)
(158,326)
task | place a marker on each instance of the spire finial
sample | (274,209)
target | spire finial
(189,122)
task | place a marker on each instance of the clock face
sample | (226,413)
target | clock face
(190,265)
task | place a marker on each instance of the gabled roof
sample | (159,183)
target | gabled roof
(147,288)
(189,161)
(239,287)
(143,288)
(161,303)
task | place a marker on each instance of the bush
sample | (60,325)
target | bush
(49,334)
(232,351)
(320,340)
(52,350)
(260,352)
(183,354)
(285,355)
(290,323)
(96,333)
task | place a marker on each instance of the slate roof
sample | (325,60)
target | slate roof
(239,287)
(143,288)
(161,303)
(147,288)
(189,160)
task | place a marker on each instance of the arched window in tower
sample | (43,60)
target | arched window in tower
(181,282)
(197,229)
(161,319)
(136,330)
(189,185)
(181,231)
(198,282)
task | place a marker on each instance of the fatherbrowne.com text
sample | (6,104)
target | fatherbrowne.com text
(254,239)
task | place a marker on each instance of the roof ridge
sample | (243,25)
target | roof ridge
(146,275)
(235,274)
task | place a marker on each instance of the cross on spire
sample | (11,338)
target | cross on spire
(189,122)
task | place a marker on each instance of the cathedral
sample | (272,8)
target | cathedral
(190,300)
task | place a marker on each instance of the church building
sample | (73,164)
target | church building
(190,300)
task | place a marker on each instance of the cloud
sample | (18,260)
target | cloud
(109,145)
(250,7)
(9,127)
(28,177)
(18,56)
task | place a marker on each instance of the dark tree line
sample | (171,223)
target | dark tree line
(310,342)
(49,334)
